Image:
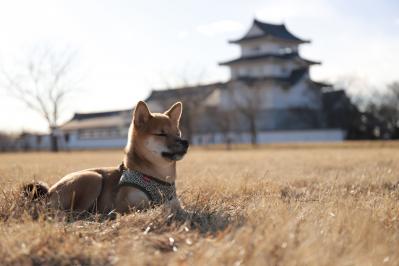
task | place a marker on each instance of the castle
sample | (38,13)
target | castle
(270,97)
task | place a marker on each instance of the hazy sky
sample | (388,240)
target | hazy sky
(125,48)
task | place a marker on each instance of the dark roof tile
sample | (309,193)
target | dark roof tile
(292,79)
(282,56)
(274,30)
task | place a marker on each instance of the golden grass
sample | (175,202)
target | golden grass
(283,205)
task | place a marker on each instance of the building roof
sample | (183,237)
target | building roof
(203,91)
(338,109)
(82,116)
(333,98)
(278,31)
(197,92)
(96,120)
(282,56)
(322,84)
(292,79)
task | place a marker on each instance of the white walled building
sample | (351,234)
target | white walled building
(96,130)
(270,90)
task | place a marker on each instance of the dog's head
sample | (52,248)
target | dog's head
(156,137)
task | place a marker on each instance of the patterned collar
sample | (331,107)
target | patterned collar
(157,191)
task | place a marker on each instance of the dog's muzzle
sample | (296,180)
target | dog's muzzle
(177,150)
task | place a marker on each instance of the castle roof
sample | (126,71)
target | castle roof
(292,79)
(282,56)
(278,31)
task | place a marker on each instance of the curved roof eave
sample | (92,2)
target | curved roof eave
(278,31)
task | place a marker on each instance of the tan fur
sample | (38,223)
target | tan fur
(97,189)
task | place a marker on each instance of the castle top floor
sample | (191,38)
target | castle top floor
(267,38)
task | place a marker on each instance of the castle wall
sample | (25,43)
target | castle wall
(271,46)
(265,68)
(271,95)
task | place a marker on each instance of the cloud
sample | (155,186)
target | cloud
(278,11)
(219,27)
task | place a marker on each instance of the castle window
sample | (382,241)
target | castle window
(284,70)
(242,72)
(255,49)
(85,134)
(100,133)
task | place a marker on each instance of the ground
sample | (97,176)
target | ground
(319,204)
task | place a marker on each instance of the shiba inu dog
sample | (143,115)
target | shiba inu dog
(145,178)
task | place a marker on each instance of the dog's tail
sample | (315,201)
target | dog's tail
(35,190)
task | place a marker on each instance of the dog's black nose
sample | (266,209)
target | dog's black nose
(184,143)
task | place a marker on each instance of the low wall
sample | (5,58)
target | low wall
(316,135)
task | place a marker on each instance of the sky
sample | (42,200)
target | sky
(124,49)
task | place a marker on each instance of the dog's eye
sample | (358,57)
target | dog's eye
(161,134)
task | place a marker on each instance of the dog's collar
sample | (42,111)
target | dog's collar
(156,190)
(123,168)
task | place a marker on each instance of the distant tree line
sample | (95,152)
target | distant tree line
(377,117)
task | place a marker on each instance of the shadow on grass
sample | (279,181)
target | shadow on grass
(207,219)
(203,222)
(15,206)
(157,228)
(59,259)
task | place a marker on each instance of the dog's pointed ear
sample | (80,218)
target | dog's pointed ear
(174,112)
(141,114)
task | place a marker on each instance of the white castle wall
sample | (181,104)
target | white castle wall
(261,46)
(272,47)
(263,69)
(271,96)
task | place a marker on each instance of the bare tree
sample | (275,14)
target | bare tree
(376,114)
(43,83)
(358,88)
(248,102)
(385,107)
(224,121)
(192,98)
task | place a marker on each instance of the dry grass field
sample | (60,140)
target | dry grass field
(276,205)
